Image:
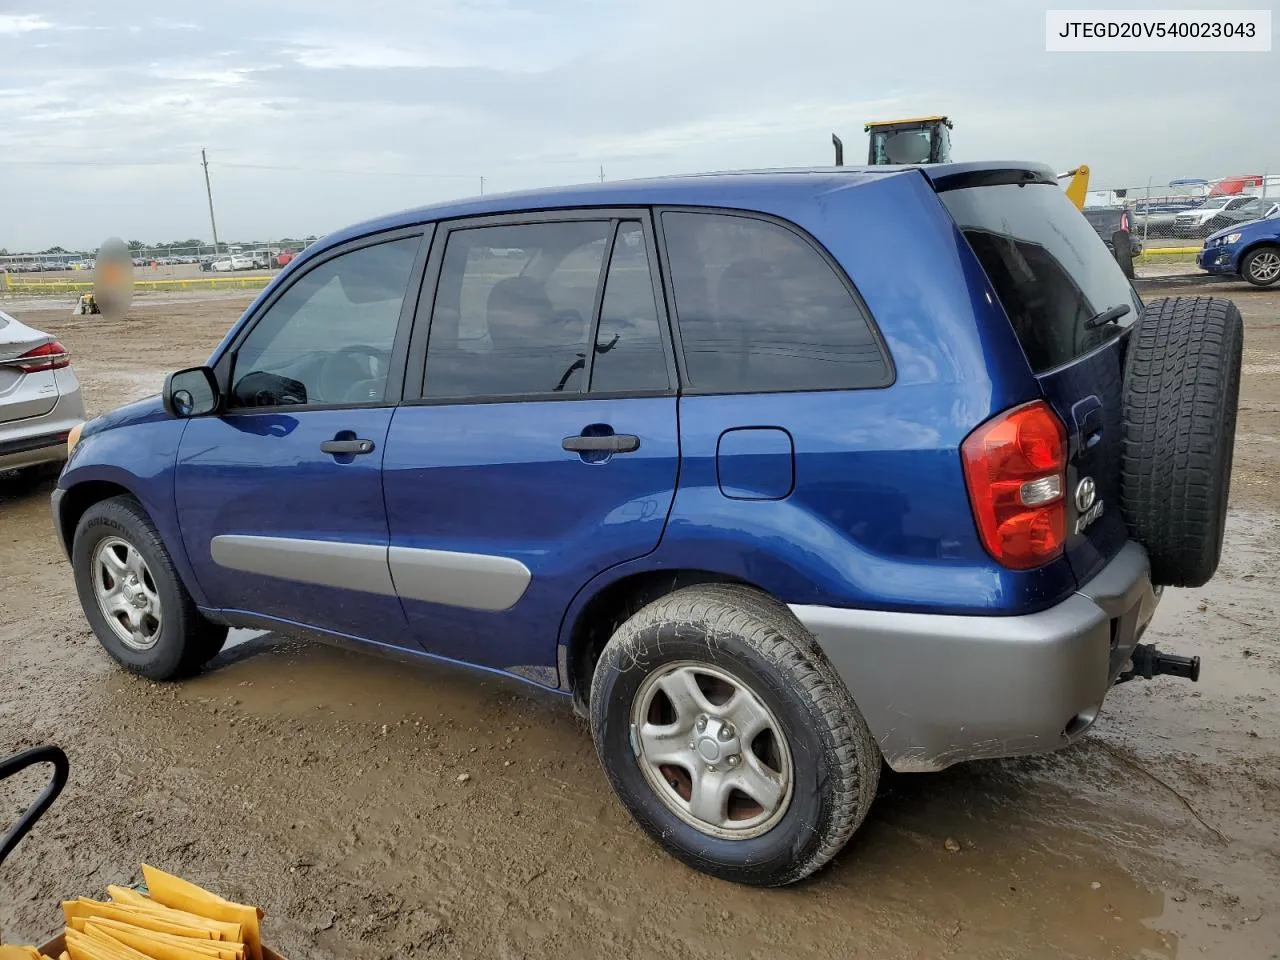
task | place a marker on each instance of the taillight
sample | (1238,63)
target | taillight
(51,356)
(1124,221)
(1015,465)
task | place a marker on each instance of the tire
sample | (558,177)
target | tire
(175,640)
(1261,266)
(713,632)
(1181,390)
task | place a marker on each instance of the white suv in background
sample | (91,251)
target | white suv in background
(1216,213)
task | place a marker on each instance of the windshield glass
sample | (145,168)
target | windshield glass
(1215,203)
(901,146)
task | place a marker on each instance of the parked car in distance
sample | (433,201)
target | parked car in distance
(1250,251)
(236,261)
(283,258)
(1217,213)
(1106,221)
(40,401)
(777,477)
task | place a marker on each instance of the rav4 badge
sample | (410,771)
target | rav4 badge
(1087,503)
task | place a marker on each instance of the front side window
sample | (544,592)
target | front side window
(761,310)
(328,338)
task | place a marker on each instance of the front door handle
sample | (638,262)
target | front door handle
(349,447)
(611,443)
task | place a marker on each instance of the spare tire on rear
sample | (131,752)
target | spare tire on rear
(1181,388)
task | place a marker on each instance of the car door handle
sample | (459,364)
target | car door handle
(347,446)
(611,443)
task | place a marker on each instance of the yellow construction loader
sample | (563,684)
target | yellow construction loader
(1079,185)
(928,140)
(914,140)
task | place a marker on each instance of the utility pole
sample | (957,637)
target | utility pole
(482,186)
(602,173)
(204,162)
(1146,220)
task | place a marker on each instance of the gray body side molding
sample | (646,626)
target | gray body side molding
(349,566)
(471,580)
(477,581)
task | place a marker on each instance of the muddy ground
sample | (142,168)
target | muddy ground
(324,785)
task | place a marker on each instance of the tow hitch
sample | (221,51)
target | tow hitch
(1147,662)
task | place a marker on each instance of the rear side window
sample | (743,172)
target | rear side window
(761,310)
(513,309)
(629,354)
(1049,268)
(516,307)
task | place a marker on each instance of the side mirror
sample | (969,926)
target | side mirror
(191,393)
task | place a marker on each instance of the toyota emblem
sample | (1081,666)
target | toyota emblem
(1086,493)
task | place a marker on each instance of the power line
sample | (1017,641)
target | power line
(91,163)
(347,173)
(238,166)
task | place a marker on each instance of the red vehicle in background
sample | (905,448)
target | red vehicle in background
(284,256)
(1253,183)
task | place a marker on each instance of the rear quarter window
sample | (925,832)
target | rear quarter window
(1049,267)
(760,309)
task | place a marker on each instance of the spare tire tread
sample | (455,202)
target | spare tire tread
(1181,389)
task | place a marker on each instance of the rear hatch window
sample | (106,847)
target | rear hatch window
(1048,267)
(1069,305)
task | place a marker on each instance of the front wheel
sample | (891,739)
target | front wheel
(729,738)
(132,595)
(1261,267)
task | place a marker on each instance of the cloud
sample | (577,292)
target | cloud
(318,114)
(12,24)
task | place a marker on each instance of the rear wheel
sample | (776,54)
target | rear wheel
(132,596)
(1181,389)
(729,737)
(1261,266)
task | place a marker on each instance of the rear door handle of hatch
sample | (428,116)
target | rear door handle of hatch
(1088,417)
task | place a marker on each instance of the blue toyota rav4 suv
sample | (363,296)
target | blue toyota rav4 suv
(779,476)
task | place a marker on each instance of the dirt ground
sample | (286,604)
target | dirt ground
(324,785)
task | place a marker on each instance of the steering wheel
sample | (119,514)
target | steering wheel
(352,374)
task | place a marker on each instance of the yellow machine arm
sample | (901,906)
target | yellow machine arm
(1079,185)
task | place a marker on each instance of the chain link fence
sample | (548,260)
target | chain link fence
(260,255)
(1167,222)
(1182,213)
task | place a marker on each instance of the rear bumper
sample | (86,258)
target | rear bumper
(32,451)
(938,690)
(43,439)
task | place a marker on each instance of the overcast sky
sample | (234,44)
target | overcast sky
(104,106)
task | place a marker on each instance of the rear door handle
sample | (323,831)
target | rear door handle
(612,443)
(347,446)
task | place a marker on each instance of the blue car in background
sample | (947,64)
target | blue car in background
(777,477)
(1247,250)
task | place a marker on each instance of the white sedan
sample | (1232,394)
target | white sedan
(235,262)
